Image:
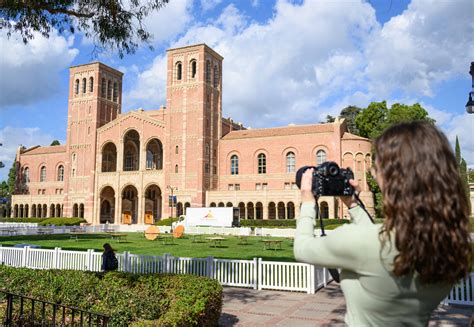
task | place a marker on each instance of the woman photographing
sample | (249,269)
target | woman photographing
(397,273)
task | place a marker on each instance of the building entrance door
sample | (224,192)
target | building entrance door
(149,217)
(127,217)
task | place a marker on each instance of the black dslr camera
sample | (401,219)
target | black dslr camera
(328,179)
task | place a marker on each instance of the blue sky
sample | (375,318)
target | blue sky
(284,62)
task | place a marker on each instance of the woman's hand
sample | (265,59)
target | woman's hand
(307,185)
(350,201)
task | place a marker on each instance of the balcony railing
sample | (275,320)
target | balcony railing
(19,310)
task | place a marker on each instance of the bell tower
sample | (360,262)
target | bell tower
(193,121)
(95,98)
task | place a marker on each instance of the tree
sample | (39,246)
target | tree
(470,175)
(462,168)
(370,120)
(350,113)
(110,24)
(330,119)
(55,142)
(1,163)
(12,178)
(377,117)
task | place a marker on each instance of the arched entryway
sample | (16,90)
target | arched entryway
(221,205)
(75,210)
(271,210)
(259,210)
(52,210)
(324,209)
(152,204)
(179,209)
(107,205)
(250,211)
(213,204)
(130,205)
(33,210)
(59,212)
(281,210)
(242,210)
(290,207)
(186,206)
(45,210)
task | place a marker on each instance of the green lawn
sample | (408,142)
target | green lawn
(135,243)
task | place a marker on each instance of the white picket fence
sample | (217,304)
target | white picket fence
(462,293)
(256,274)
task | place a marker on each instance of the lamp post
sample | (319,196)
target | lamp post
(470,101)
(171,189)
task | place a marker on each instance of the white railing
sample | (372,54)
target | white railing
(462,292)
(256,274)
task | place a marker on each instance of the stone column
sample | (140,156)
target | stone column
(265,211)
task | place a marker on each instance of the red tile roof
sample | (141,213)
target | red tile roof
(45,149)
(279,131)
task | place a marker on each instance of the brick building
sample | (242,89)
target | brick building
(121,168)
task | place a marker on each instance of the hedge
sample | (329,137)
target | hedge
(287,223)
(166,222)
(61,221)
(22,220)
(129,299)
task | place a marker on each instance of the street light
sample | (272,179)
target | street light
(470,102)
(172,189)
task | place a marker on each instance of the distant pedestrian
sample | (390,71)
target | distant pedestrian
(109,260)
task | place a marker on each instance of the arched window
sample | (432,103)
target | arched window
(320,157)
(91,84)
(290,208)
(84,85)
(75,210)
(104,88)
(26,175)
(115,92)
(262,163)
(176,169)
(109,90)
(109,158)
(154,154)
(259,210)
(234,165)
(179,70)
(43,174)
(76,87)
(193,68)
(290,162)
(61,173)
(216,76)
(213,204)
(176,150)
(221,205)
(131,151)
(208,71)
(81,210)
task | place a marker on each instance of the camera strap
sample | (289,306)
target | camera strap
(333,272)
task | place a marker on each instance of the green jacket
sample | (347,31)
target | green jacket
(374,296)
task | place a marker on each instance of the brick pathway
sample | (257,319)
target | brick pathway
(246,307)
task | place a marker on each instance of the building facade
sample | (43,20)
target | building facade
(122,168)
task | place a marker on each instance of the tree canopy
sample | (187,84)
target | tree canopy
(374,119)
(110,24)
(55,142)
(349,113)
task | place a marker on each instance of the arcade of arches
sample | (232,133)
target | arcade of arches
(45,211)
(130,207)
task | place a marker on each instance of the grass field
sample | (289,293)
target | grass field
(185,247)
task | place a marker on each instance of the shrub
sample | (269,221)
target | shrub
(287,223)
(62,221)
(166,222)
(22,220)
(129,299)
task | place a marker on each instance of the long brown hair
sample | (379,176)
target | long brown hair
(425,203)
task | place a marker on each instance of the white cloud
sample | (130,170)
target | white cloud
(209,4)
(428,43)
(31,72)
(314,58)
(462,126)
(13,137)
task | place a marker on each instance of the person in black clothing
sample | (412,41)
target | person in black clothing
(109,260)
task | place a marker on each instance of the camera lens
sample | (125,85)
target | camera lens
(333,170)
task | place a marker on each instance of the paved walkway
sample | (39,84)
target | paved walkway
(247,307)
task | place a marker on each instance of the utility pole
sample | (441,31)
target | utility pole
(172,189)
